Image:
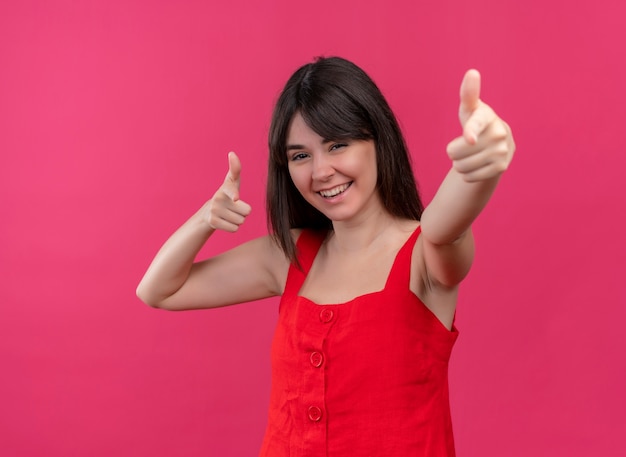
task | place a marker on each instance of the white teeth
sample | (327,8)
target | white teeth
(334,191)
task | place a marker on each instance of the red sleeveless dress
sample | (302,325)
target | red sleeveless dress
(365,378)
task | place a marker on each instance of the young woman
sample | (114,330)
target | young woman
(368,278)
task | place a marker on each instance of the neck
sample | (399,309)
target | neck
(350,236)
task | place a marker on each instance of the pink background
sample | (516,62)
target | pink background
(115,120)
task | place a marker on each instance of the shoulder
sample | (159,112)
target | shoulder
(433,263)
(444,265)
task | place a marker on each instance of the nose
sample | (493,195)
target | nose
(322,168)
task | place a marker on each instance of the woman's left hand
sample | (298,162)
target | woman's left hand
(486,148)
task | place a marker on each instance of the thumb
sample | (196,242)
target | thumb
(470,113)
(470,95)
(233,176)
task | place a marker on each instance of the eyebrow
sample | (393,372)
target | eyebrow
(291,147)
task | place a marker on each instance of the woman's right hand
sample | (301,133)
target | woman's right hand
(225,211)
(253,270)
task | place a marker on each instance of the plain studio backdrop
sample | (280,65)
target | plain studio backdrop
(115,121)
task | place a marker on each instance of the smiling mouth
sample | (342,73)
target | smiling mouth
(334,191)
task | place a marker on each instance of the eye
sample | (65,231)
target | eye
(299,156)
(336,146)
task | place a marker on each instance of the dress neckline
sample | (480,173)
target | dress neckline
(409,243)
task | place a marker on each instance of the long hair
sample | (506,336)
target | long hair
(338,101)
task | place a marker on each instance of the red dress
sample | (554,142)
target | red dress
(365,378)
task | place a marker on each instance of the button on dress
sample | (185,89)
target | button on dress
(365,378)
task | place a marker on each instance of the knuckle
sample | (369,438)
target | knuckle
(501,150)
(460,166)
(499,131)
(221,196)
(453,150)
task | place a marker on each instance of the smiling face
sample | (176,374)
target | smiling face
(337,177)
(338,100)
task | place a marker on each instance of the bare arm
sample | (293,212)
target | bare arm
(479,157)
(251,271)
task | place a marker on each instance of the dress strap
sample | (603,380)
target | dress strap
(400,274)
(307,246)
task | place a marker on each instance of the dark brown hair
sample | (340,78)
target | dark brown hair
(338,101)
